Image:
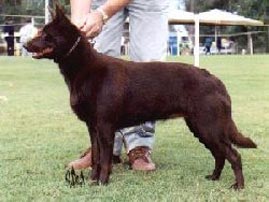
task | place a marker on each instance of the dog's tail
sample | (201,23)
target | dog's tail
(239,139)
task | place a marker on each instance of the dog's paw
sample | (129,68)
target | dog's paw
(103,183)
(97,183)
(212,177)
(237,187)
(93,182)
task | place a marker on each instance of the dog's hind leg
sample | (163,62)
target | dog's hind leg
(205,137)
(219,164)
(226,150)
(214,138)
(235,159)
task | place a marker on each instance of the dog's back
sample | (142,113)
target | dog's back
(156,90)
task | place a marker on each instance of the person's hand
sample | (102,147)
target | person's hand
(93,24)
(79,22)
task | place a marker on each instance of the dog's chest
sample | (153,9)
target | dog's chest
(81,107)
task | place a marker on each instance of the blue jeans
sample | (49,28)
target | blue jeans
(148,29)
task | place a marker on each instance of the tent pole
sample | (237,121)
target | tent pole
(178,48)
(196,43)
(250,44)
(216,36)
(46,11)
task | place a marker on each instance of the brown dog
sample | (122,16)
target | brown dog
(108,94)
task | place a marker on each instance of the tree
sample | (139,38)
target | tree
(204,5)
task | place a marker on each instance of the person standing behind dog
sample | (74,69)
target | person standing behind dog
(148,23)
(10,39)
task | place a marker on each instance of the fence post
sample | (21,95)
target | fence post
(46,11)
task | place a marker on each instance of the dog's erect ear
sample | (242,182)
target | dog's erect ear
(59,15)
(52,9)
(52,13)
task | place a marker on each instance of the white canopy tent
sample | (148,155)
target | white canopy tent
(181,17)
(219,17)
(212,17)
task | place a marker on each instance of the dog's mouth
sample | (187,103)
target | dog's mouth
(39,52)
(46,52)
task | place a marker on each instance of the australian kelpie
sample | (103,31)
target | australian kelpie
(109,94)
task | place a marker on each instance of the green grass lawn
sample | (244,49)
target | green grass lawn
(39,135)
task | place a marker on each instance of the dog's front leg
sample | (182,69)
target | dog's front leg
(93,132)
(105,142)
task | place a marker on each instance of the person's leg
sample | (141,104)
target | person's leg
(148,42)
(148,30)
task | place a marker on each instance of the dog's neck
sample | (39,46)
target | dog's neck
(81,55)
(61,59)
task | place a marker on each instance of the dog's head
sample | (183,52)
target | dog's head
(56,39)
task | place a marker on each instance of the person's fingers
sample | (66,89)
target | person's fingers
(93,32)
(79,23)
(93,25)
(89,30)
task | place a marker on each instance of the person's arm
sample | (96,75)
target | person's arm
(79,11)
(113,6)
(92,22)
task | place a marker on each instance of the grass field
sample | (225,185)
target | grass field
(39,134)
